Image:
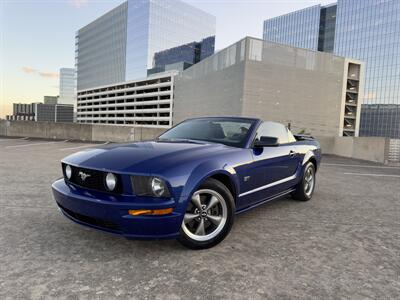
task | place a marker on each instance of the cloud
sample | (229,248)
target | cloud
(48,75)
(28,70)
(78,3)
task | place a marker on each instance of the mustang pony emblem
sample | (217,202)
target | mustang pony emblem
(83,175)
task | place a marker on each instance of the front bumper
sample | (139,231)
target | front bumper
(110,213)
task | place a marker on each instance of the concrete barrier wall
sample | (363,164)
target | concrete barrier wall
(75,131)
(50,130)
(68,131)
(124,133)
(147,133)
(113,133)
(370,148)
(343,146)
(327,143)
(365,148)
(31,129)
(3,127)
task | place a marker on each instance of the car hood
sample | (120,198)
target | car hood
(142,157)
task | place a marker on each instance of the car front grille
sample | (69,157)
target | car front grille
(91,179)
(90,220)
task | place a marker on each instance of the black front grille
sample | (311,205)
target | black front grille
(92,179)
(90,220)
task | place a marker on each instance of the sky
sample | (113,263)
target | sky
(37,38)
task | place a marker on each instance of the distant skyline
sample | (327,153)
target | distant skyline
(37,38)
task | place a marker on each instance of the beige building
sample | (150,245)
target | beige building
(316,92)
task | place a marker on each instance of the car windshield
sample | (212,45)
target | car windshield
(229,131)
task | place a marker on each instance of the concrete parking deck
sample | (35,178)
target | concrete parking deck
(344,243)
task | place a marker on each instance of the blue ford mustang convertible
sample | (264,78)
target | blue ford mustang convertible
(189,182)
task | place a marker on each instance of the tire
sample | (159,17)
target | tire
(209,216)
(304,191)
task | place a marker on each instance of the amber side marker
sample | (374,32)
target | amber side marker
(139,212)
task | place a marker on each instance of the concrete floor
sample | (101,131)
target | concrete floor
(344,243)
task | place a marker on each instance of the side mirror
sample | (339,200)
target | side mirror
(266,141)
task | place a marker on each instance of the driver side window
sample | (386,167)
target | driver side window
(273,129)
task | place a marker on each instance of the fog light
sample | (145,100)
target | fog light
(140,212)
(111,181)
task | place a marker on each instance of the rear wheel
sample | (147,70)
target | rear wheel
(209,216)
(305,188)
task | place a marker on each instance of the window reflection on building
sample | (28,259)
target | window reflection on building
(182,57)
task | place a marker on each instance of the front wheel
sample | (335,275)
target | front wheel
(305,188)
(209,216)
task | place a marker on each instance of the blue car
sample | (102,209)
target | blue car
(190,182)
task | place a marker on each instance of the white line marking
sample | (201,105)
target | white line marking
(35,144)
(369,174)
(80,147)
(360,166)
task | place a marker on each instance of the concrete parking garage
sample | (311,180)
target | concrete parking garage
(344,243)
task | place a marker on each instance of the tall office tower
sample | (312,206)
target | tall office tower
(67,86)
(367,30)
(299,28)
(120,45)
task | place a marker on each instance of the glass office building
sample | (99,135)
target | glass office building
(387,114)
(299,28)
(121,45)
(327,26)
(67,86)
(367,30)
(370,31)
(100,49)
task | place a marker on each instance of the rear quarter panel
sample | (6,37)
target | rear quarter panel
(309,149)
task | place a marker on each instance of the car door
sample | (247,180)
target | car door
(272,168)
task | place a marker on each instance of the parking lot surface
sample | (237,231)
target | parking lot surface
(344,243)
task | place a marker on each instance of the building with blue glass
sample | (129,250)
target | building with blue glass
(367,30)
(182,57)
(386,113)
(299,28)
(122,44)
(67,86)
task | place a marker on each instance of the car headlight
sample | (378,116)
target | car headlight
(158,186)
(150,186)
(111,181)
(68,172)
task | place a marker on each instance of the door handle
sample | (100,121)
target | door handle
(292,153)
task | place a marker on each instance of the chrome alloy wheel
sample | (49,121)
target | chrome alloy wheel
(205,216)
(309,181)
